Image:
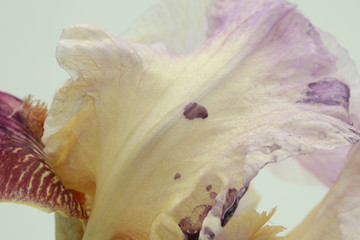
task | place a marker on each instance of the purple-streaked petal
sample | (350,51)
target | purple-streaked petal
(347,68)
(327,165)
(337,216)
(25,177)
(180,137)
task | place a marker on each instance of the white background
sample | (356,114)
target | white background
(29,33)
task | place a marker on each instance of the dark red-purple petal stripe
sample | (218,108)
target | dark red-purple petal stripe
(25,177)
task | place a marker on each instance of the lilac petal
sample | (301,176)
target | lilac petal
(327,165)
(347,68)
(25,177)
(337,216)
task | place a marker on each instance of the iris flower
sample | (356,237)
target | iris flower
(158,133)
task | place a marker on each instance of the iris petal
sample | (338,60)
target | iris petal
(337,216)
(68,228)
(250,225)
(180,25)
(327,165)
(25,177)
(147,132)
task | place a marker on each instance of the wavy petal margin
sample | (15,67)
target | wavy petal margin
(327,165)
(168,144)
(25,177)
(174,24)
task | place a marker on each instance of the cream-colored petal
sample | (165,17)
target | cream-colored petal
(337,217)
(180,25)
(250,225)
(160,140)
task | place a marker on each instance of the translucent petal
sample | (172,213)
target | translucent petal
(25,177)
(338,215)
(161,140)
(327,165)
(180,25)
(68,228)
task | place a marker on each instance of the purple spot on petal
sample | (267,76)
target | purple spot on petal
(192,224)
(213,195)
(209,233)
(355,132)
(351,140)
(270,149)
(328,91)
(177,176)
(208,188)
(310,30)
(232,199)
(194,110)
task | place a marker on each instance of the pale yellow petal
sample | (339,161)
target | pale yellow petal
(250,225)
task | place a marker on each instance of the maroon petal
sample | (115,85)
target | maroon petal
(25,177)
